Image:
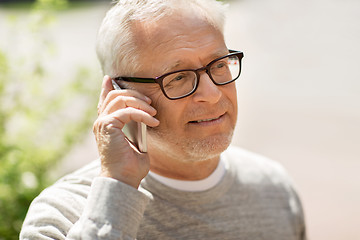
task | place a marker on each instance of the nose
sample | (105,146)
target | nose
(207,91)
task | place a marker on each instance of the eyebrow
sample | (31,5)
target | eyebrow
(171,68)
(213,56)
(218,54)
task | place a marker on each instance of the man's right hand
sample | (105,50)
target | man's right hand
(119,159)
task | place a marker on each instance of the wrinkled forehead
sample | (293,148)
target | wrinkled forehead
(178,31)
(169,26)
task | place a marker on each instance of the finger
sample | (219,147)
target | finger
(106,87)
(128,92)
(128,101)
(114,123)
(125,115)
(124,92)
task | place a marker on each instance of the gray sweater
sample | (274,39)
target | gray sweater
(254,201)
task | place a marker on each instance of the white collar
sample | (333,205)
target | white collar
(194,186)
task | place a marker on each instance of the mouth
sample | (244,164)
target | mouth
(207,119)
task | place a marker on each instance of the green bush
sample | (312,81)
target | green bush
(37,128)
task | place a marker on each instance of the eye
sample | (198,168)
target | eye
(178,77)
(182,76)
(175,79)
(220,65)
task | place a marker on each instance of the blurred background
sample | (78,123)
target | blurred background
(299,100)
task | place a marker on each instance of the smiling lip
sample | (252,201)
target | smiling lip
(207,120)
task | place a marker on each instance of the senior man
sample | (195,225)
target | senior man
(179,75)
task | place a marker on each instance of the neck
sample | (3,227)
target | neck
(183,169)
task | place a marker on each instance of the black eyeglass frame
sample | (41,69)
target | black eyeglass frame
(159,80)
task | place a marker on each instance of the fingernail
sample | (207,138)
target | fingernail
(148,99)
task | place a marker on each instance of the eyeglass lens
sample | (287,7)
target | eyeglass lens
(182,83)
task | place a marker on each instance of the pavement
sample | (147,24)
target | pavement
(298,95)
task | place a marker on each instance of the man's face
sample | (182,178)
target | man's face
(199,126)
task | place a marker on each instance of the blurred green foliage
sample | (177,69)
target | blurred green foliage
(37,128)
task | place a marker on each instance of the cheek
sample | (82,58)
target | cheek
(169,113)
(231,95)
(231,91)
(159,102)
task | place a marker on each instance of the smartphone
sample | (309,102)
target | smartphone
(135,132)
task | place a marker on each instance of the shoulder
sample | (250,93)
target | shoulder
(240,156)
(251,166)
(265,182)
(75,185)
(84,174)
(59,206)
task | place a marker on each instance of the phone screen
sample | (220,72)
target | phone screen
(135,132)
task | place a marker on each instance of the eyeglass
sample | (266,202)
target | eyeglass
(182,83)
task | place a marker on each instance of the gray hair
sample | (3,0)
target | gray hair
(116,50)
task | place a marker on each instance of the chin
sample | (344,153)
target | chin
(189,149)
(205,149)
